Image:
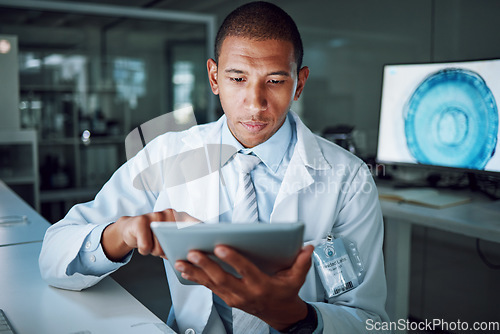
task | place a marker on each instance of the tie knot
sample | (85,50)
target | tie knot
(247,162)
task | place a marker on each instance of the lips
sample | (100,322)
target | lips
(253,126)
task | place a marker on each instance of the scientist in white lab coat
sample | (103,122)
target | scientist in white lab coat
(257,73)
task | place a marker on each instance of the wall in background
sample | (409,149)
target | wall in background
(347,44)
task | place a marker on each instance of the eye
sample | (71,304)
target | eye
(237,79)
(276,82)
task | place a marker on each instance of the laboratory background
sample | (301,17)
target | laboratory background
(77,77)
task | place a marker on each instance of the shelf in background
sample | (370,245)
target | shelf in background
(68,194)
(47,88)
(19,164)
(77,140)
(21,179)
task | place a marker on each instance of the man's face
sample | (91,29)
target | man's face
(256,82)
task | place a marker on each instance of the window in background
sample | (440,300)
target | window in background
(183,84)
(130,79)
(188,72)
(88,79)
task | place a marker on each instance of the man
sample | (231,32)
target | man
(257,74)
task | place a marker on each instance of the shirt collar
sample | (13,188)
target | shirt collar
(272,151)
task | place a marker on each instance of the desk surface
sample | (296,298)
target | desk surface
(34,307)
(478,219)
(12,205)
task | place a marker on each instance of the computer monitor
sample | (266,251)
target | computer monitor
(441,114)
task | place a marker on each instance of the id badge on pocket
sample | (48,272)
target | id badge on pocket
(339,266)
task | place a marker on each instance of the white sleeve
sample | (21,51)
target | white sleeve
(359,220)
(91,260)
(64,240)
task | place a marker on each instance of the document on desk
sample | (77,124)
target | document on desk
(423,196)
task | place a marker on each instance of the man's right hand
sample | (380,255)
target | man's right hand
(127,233)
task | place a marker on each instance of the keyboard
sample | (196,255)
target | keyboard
(5,327)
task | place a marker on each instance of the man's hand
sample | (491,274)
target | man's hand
(127,233)
(274,299)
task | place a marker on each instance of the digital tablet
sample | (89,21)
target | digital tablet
(271,247)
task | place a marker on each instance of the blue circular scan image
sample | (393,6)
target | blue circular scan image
(451,119)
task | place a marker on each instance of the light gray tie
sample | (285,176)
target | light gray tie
(245,202)
(245,211)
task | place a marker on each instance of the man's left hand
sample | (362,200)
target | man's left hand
(274,299)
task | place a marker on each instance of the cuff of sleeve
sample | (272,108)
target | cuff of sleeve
(307,325)
(91,259)
(319,328)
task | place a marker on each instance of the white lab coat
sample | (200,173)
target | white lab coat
(324,187)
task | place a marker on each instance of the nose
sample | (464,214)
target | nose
(255,98)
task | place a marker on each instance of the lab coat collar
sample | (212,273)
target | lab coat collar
(308,148)
(198,136)
(270,152)
(209,136)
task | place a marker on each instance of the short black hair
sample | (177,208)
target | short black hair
(260,20)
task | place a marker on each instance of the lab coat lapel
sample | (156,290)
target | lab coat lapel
(200,198)
(296,178)
(203,193)
(306,158)
(192,303)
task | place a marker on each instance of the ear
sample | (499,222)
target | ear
(212,76)
(301,82)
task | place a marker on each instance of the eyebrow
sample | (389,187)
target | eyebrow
(236,71)
(282,73)
(233,70)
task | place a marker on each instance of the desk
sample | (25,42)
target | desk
(12,205)
(478,219)
(32,306)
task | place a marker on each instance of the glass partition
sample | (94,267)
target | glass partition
(87,80)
